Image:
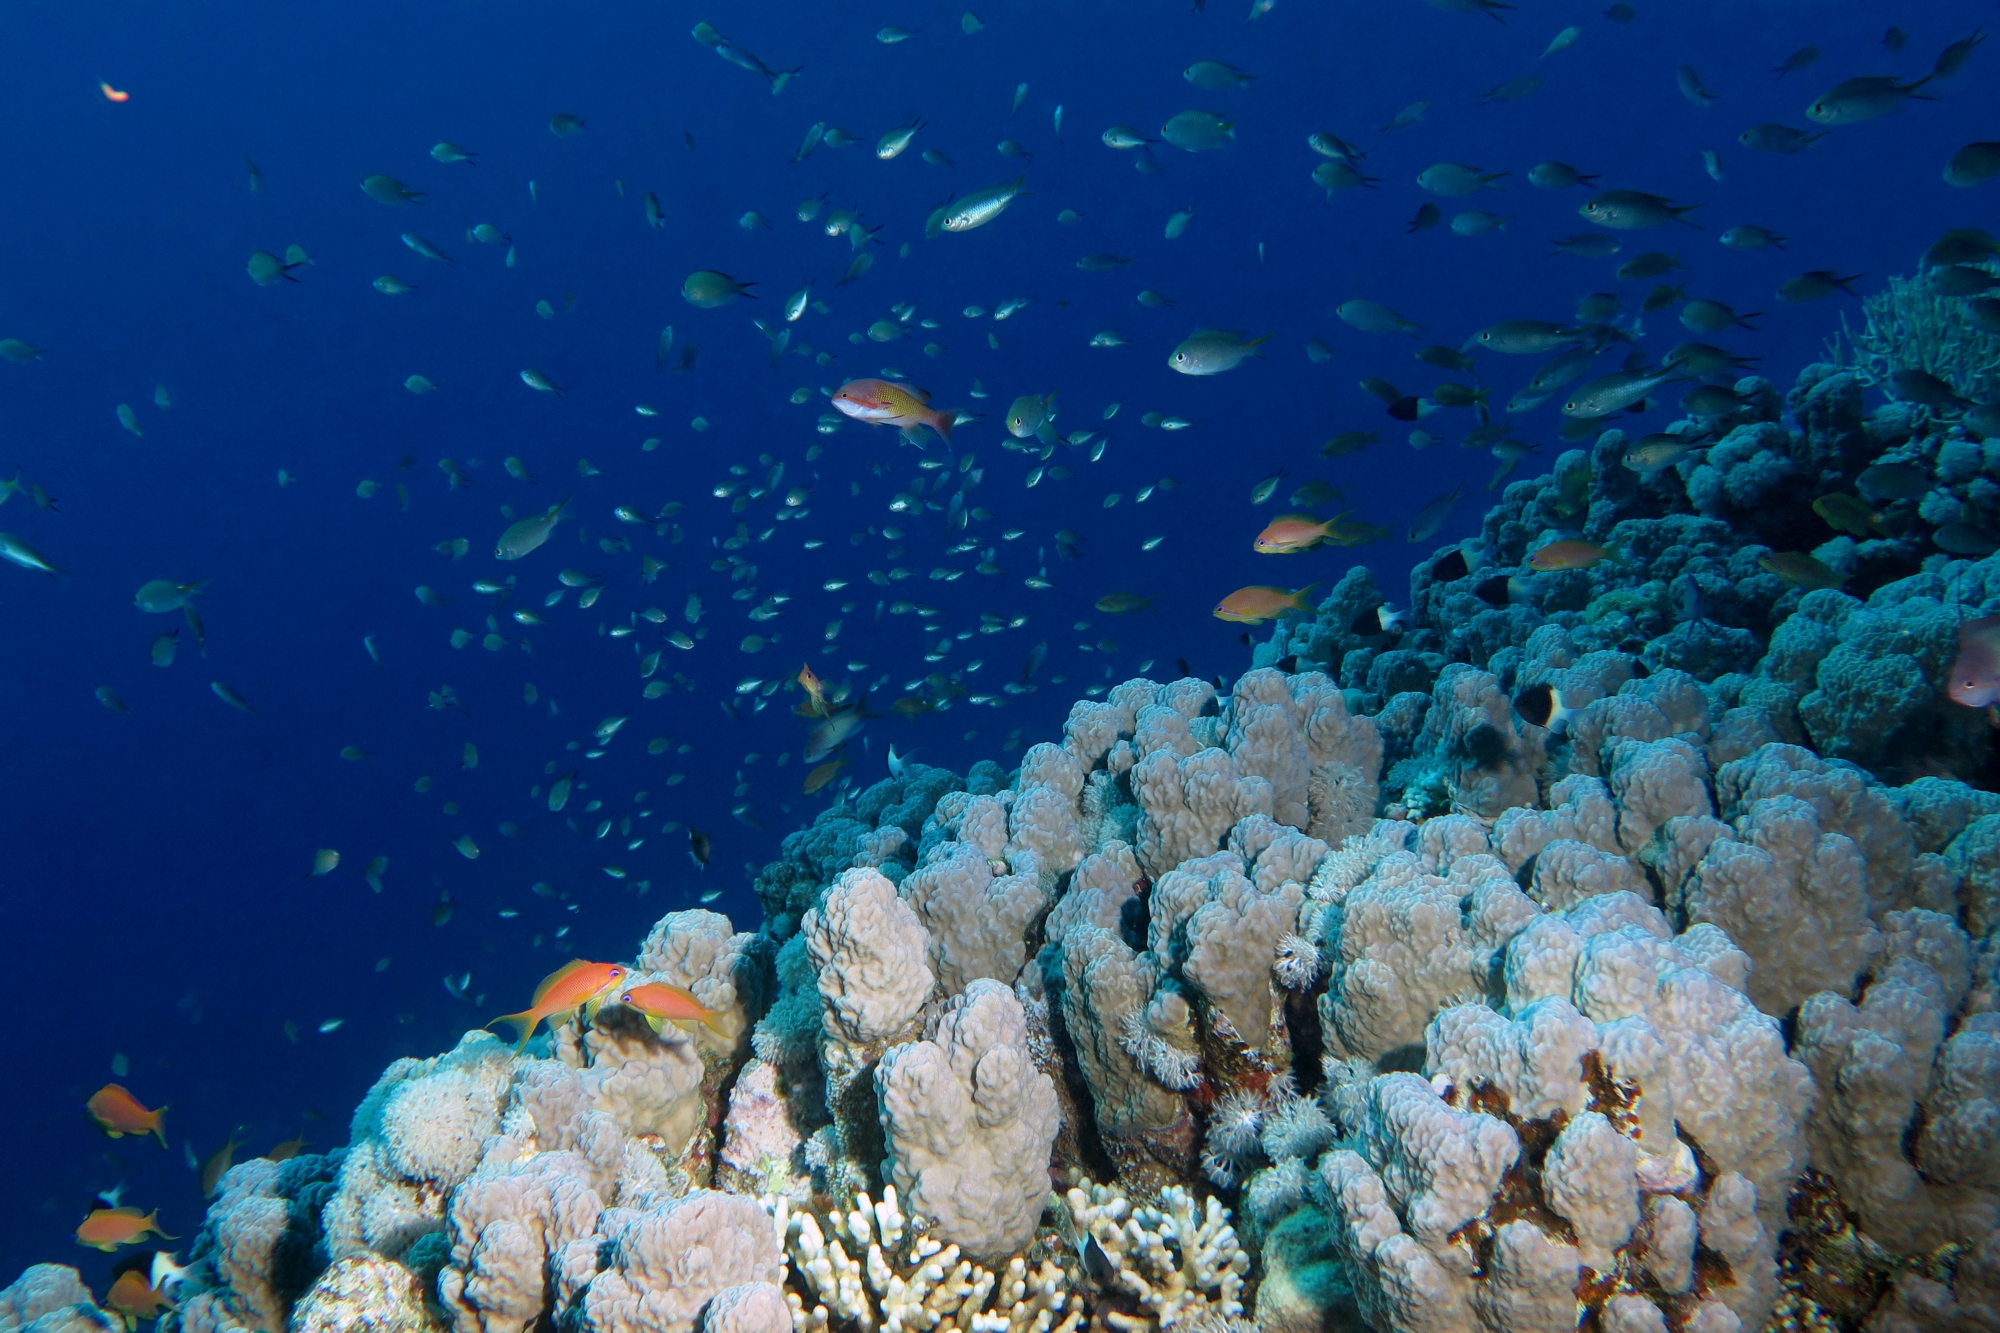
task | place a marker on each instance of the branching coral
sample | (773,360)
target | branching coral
(1179,1262)
(873,1267)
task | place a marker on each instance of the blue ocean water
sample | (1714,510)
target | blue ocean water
(157,899)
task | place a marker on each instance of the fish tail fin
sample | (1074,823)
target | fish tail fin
(159,1127)
(1300,600)
(526,1022)
(1559,713)
(942,421)
(708,1021)
(783,77)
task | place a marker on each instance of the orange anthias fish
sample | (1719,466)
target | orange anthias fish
(108,1228)
(1255,605)
(1975,675)
(885,404)
(112,94)
(1289,534)
(134,1298)
(815,704)
(286,1151)
(1572,555)
(118,1113)
(663,1002)
(569,988)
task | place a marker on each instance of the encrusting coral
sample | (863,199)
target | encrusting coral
(1344,996)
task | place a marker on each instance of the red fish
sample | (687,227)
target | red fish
(133,1297)
(108,1228)
(118,1113)
(1291,533)
(882,403)
(1257,604)
(569,988)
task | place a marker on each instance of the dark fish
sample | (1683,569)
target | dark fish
(1771,137)
(1406,408)
(1500,590)
(1663,296)
(1379,620)
(1953,57)
(1702,359)
(442,912)
(1599,307)
(1984,312)
(1450,567)
(1965,539)
(1920,386)
(1894,481)
(1962,280)
(699,848)
(1815,284)
(1036,656)
(1621,13)
(1428,216)
(1382,389)
(1894,40)
(1554,175)
(1349,441)
(1649,265)
(1690,86)
(1712,400)
(1967,245)
(1542,706)
(1446,358)
(1181,665)
(1513,90)
(1800,59)
(1982,422)
(1590,245)
(1800,570)
(1975,674)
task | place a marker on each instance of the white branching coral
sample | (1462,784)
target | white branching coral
(1180,1262)
(872,1267)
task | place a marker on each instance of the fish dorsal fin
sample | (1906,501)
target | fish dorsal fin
(1299,518)
(550,981)
(921,395)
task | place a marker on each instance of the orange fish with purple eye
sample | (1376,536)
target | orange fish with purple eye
(112,94)
(1256,604)
(882,403)
(118,1113)
(664,1002)
(1288,534)
(573,986)
(108,1228)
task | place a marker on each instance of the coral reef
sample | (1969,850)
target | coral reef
(1348,995)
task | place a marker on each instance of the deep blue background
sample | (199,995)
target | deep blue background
(151,899)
